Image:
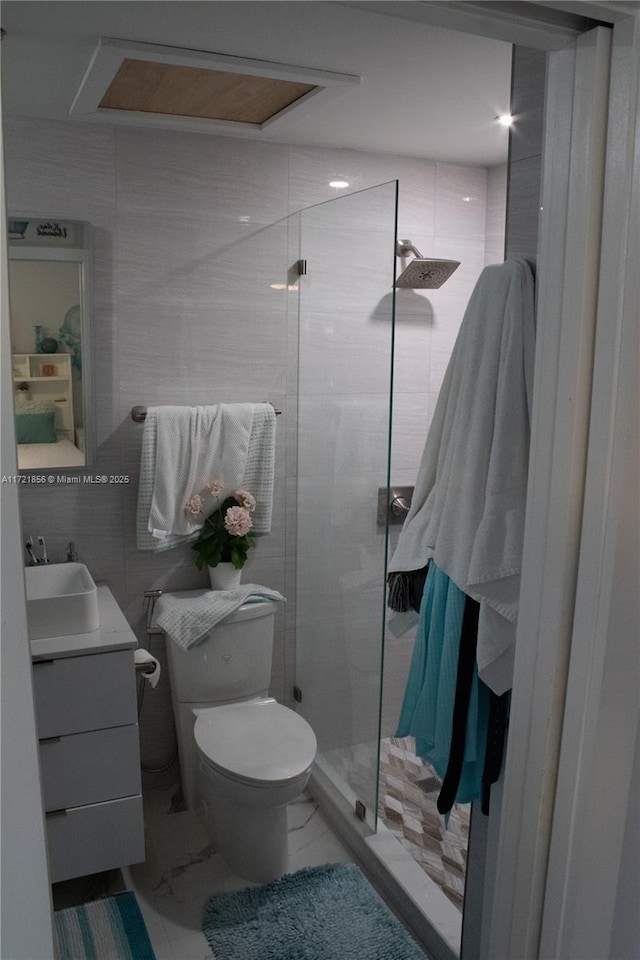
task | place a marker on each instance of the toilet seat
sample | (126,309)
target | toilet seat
(257,741)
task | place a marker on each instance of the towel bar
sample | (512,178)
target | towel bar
(138,414)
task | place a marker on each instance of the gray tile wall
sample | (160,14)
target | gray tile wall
(525,152)
(189,233)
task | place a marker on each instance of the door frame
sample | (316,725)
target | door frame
(584,369)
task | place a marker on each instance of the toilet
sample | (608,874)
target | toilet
(243,756)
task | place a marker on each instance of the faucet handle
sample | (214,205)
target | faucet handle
(29,548)
(72,556)
(43,551)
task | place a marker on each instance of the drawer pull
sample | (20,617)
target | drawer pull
(62,812)
(42,663)
(50,739)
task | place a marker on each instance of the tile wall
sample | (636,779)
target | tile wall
(189,232)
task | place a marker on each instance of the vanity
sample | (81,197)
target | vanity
(87,726)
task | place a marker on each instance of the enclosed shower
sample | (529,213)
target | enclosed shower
(358,420)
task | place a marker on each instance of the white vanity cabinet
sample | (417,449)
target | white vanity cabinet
(86,718)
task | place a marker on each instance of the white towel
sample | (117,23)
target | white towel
(468,507)
(183,448)
(187,617)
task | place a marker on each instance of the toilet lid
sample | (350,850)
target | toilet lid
(260,740)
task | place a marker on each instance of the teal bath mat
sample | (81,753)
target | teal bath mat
(320,913)
(109,929)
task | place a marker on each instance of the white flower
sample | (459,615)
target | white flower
(215,486)
(193,506)
(245,499)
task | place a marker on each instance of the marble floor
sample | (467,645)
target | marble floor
(182,870)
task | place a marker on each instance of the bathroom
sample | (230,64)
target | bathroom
(185,225)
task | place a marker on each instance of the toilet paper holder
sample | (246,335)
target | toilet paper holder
(145,668)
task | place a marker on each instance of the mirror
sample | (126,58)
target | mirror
(49,278)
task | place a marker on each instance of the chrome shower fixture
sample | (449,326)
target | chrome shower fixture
(423,273)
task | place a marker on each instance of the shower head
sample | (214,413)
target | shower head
(423,273)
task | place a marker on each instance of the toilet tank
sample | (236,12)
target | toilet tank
(231,663)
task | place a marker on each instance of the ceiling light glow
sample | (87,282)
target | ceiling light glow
(339,184)
(505,119)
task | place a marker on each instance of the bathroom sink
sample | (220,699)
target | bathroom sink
(62,599)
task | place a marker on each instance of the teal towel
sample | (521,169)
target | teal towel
(427,708)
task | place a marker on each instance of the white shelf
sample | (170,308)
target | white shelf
(56,389)
(38,379)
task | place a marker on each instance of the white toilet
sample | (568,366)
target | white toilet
(243,756)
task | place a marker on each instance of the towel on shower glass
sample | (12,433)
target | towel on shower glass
(467,511)
(184,449)
(187,617)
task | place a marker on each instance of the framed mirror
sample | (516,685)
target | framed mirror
(50,315)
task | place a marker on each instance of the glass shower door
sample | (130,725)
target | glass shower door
(346,322)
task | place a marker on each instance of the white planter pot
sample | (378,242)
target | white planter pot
(224,576)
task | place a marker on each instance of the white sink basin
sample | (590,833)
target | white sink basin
(62,599)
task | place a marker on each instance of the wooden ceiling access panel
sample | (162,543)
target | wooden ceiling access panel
(149,87)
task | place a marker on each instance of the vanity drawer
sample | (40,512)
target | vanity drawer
(89,767)
(74,694)
(101,836)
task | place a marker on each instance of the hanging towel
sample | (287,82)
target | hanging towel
(184,448)
(467,510)
(189,616)
(428,705)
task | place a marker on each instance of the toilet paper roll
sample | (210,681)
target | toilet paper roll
(143,661)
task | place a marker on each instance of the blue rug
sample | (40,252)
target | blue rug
(109,929)
(320,913)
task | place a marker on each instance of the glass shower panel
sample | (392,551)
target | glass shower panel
(346,318)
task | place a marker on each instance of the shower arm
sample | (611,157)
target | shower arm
(405,247)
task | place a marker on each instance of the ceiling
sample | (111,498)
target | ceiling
(425,91)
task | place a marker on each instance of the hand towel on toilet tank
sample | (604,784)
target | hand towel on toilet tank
(185,450)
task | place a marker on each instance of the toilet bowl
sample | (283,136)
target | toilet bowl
(243,756)
(253,759)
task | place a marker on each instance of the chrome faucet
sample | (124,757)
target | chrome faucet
(33,560)
(29,548)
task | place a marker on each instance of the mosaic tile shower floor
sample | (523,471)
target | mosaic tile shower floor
(408,792)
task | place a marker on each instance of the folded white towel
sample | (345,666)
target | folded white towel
(183,448)
(187,617)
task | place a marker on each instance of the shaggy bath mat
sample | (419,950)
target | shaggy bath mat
(109,929)
(320,913)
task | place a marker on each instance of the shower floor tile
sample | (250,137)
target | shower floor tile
(407,799)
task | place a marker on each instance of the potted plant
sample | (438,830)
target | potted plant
(225,539)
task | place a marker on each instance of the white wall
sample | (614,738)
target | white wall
(41,293)
(25,912)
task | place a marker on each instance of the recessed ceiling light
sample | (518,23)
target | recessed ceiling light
(339,184)
(467,199)
(505,119)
